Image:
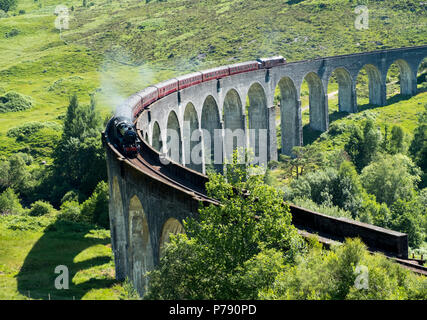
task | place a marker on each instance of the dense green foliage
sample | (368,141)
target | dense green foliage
(7,5)
(418,148)
(333,274)
(145,42)
(216,256)
(13,101)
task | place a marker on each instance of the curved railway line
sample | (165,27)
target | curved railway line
(148,162)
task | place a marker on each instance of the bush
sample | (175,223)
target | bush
(334,274)
(13,101)
(7,5)
(3,14)
(30,128)
(95,209)
(9,203)
(70,211)
(40,208)
(12,33)
(71,195)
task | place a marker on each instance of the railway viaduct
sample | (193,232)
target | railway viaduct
(149,198)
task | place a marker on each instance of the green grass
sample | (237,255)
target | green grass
(115,48)
(28,259)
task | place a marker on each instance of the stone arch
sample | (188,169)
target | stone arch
(156,137)
(234,125)
(406,77)
(118,230)
(174,139)
(141,251)
(212,135)
(318,108)
(290,120)
(421,73)
(191,138)
(258,121)
(171,226)
(376,85)
(346,96)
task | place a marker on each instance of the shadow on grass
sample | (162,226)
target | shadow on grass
(309,135)
(61,243)
(336,115)
(391,100)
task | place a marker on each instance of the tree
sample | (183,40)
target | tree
(7,5)
(9,202)
(303,159)
(212,258)
(397,140)
(331,187)
(363,146)
(418,147)
(95,209)
(347,271)
(407,218)
(391,178)
(79,159)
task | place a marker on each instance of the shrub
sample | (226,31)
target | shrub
(12,33)
(7,5)
(95,209)
(9,203)
(71,195)
(30,128)
(40,208)
(13,101)
(3,14)
(70,211)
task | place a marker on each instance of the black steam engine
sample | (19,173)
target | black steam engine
(123,136)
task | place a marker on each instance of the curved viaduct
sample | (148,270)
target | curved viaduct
(149,198)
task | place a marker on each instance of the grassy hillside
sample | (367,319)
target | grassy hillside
(31,248)
(114,48)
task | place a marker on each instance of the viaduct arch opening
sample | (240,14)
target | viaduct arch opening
(400,79)
(422,75)
(290,119)
(317,103)
(156,137)
(171,226)
(192,138)
(140,249)
(174,140)
(234,124)
(257,114)
(212,136)
(369,85)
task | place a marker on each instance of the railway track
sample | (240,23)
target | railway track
(149,163)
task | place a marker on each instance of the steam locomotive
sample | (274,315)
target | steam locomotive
(122,131)
(124,136)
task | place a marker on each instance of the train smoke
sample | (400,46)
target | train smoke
(120,78)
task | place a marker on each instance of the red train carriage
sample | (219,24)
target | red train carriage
(244,67)
(146,96)
(134,102)
(215,73)
(189,80)
(167,87)
(149,95)
(271,62)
